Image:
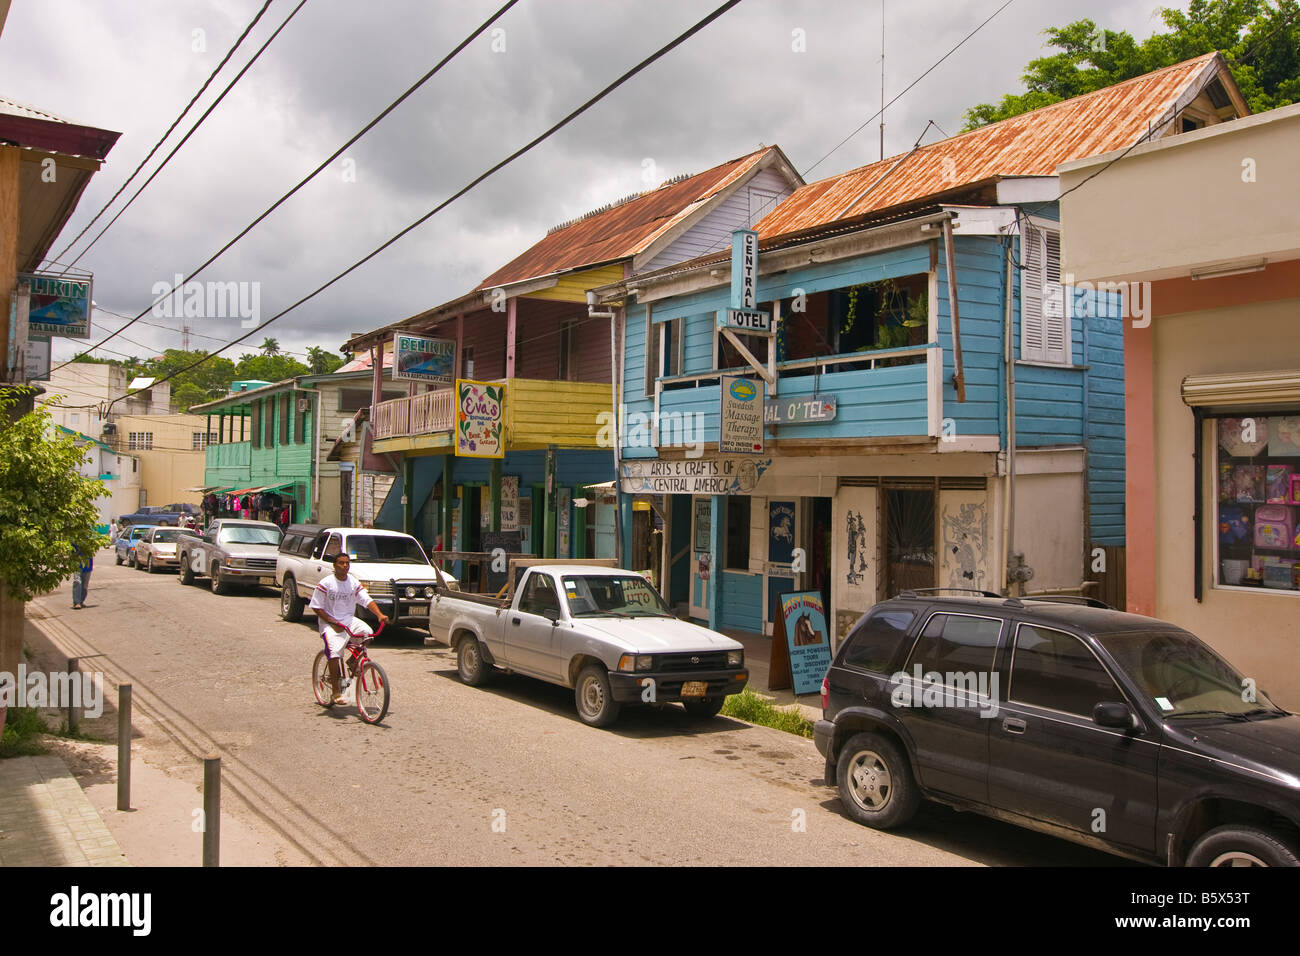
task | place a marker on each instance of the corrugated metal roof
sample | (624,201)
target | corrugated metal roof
(1032,144)
(14,108)
(624,230)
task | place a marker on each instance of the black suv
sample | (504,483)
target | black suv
(1113,730)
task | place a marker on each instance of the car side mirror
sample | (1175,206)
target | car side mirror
(552,614)
(1116,714)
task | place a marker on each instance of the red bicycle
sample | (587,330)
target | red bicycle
(369,678)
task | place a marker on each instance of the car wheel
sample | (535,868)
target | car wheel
(290,603)
(876,785)
(130,559)
(186,570)
(119,557)
(218,586)
(703,709)
(471,666)
(594,697)
(148,567)
(1241,846)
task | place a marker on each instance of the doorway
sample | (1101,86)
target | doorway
(909,515)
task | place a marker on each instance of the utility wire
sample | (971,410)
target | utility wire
(652,58)
(908,87)
(185,138)
(211,76)
(329,159)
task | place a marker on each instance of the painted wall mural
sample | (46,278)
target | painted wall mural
(853,556)
(964,524)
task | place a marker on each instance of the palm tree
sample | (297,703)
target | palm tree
(270,347)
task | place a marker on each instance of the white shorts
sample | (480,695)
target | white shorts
(336,639)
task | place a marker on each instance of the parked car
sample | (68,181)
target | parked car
(1112,730)
(157,549)
(159,515)
(392,566)
(604,632)
(230,552)
(126,541)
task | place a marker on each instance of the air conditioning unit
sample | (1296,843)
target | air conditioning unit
(304,404)
(109,429)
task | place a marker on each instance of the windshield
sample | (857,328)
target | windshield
(385,549)
(1182,675)
(603,595)
(140,532)
(248,535)
(166,534)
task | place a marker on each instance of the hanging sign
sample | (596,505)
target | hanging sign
(509,502)
(432,361)
(59,306)
(740,427)
(744,268)
(480,419)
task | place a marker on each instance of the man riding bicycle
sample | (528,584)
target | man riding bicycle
(335,601)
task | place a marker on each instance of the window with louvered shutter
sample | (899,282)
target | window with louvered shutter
(1044,326)
(1031,295)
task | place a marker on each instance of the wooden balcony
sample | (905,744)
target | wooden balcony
(537,413)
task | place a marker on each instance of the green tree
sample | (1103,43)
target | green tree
(270,346)
(322,361)
(187,394)
(269,368)
(1261,42)
(47,517)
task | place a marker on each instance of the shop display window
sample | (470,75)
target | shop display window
(1257,491)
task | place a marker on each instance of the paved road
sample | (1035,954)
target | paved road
(458,775)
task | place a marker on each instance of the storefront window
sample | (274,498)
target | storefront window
(737,533)
(1257,472)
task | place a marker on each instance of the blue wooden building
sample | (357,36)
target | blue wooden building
(942,407)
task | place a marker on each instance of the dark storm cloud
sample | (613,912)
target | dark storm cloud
(131,65)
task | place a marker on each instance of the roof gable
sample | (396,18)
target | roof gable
(629,228)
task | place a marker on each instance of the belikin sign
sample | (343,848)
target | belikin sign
(432,361)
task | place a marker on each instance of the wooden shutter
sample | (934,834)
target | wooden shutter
(1032,254)
(257,425)
(1056,326)
(285,409)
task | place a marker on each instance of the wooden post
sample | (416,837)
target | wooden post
(212,810)
(712,601)
(447,479)
(408,494)
(124,747)
(548,527)
(495,489)
(510,337)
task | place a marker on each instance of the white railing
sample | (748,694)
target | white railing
(417,415)
(433,411)
(392,418)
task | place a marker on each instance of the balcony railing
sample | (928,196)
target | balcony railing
(416,415)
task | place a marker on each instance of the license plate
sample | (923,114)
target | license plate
(418,611)
(266,581)
(695,688)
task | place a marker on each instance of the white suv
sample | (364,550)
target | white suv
(391,565)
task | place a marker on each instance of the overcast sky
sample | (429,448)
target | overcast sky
(747,79)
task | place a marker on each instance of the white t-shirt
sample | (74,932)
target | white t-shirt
(338,599)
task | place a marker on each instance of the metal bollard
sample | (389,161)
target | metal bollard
(212,810)
(124,746)
(72,710)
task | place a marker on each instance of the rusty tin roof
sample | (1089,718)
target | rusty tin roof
(1032,144)
(628,228)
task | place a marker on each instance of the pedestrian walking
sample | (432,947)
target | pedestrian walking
(81,583)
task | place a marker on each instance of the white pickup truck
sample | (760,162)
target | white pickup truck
(602,631)
(391,565)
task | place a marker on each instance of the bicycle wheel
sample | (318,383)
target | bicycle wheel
(372,692)
(320,680)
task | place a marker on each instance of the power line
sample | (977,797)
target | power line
(908,87)
(333,156)
(652,58)
(185,138)
(211,76)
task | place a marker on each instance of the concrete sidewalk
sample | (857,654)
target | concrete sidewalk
(46,818)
